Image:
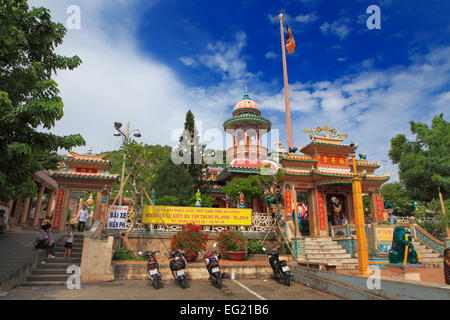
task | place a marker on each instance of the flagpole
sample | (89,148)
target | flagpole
(286,90)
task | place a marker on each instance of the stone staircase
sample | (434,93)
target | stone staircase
(327,251)
(429,258)
(52,271)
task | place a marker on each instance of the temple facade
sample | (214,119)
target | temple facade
(79,175)
(317,181)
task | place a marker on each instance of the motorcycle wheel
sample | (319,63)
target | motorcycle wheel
(286,279)
(183,283)
(155,282)
(218,281)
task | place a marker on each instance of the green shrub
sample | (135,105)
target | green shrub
(122,254)
(255,246)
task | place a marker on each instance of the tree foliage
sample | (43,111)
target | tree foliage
(173,180)
(192,152)
(249,188)
(394,192)
(29,97)
(424,164)
(151,156)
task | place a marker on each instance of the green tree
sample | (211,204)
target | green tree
(151,156)
(249,188)
(173,180)
(29,97)
(424,164)
(402,205)
(192,152)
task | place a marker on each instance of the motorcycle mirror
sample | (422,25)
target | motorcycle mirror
(215,245)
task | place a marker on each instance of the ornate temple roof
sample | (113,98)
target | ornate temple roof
(246,111)
(246,103)
(81,175)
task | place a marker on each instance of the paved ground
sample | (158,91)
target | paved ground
(435,275)
(198,290)
(17,249)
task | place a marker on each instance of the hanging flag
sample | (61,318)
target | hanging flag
(290,42)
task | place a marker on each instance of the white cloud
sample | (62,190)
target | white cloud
(188,61)
(338,27)
(306,18)
(271,55)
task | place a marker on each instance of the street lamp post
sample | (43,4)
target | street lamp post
(361,241)
(126,136)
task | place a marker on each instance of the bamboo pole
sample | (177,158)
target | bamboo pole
(447,229)
(154,208)
(290,143)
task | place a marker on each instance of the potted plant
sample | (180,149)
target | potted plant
(256,251)
(233,243)
(191,240)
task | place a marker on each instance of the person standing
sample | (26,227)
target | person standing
(68,242)
(447,265)
(82,217)
(3,221)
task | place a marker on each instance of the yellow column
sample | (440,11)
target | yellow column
(361,241)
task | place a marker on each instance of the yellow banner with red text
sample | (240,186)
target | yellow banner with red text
(198,215)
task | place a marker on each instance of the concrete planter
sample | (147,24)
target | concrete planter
(236,256)
(258,257)
(287,257)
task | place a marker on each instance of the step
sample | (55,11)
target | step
(76,255)
(45,278)
(72,260)
(318,251)
(49,272)
(44,283)
(323,247)
(317,240)
(54,266)
(433,260)
(329,256)
(332,261)
(430,255)
(72,251)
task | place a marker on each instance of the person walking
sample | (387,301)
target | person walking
(82,217)
(3,221)
(45,241)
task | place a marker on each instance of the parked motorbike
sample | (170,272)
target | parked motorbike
(212,265)
(177,264)
(153,268)
(280,268)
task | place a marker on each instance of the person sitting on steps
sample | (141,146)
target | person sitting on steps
(45,241)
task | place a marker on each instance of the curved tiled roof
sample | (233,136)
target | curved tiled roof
(81,175)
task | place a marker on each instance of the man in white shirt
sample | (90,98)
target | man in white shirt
(82,217)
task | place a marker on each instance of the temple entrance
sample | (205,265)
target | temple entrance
(302,211)
(337,210)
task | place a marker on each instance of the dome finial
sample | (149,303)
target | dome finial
(246,97)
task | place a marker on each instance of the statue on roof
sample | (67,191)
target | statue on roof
(325,132)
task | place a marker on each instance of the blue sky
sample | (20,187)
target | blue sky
(148,62)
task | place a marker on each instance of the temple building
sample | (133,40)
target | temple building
(78,176)
(318,178)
